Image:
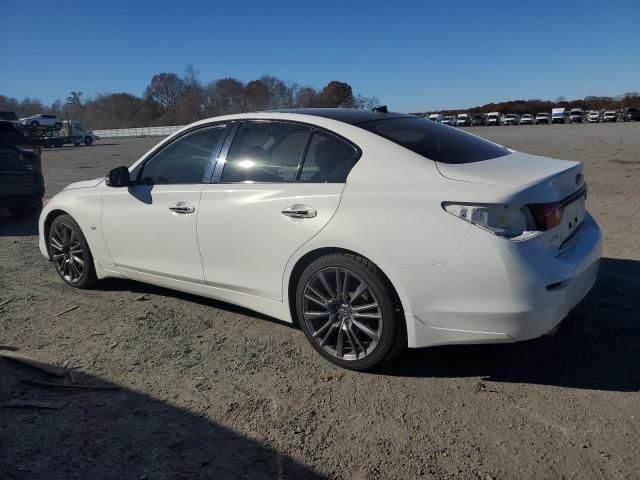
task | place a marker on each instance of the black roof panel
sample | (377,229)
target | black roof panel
(346,115)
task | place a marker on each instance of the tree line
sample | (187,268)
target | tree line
(631,99)
(171,99)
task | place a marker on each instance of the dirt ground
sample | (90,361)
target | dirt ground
(208,390)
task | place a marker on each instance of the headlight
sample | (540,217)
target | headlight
(508,221)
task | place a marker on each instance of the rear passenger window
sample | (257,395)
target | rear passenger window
(328,160)
(268,152)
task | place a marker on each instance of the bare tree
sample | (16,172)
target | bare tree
(165,89)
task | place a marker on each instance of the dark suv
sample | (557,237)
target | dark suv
(631,114)
(21,181)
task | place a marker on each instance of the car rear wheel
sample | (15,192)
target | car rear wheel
(70,253)
(347,310)
(88,141)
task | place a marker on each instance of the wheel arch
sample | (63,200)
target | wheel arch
(310,256)
(51,216)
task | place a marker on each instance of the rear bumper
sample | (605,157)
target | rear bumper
(17,193)
(496,290)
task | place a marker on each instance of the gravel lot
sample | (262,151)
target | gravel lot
(208,390)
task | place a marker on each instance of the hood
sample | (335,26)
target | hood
(85,184)
(540,179)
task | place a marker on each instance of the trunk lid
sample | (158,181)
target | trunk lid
(539,179)
(554,186)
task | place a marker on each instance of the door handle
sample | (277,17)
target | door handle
(300,211)
(182,208)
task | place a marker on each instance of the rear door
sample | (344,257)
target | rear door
(277,185)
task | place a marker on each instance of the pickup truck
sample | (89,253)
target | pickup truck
(543,117)
(527,119)
(511,119)
(21,180)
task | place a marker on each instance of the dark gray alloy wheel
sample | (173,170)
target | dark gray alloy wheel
(70,253)
(343,313)
(347,311)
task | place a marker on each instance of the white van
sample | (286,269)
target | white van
(494,118)
(436,117)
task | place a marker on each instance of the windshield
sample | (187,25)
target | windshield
(435,141)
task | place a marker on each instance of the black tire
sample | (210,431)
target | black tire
(87,278)
(392,337)
(24,211)
(34,124)
(57,126)
(77,143)
(88,141)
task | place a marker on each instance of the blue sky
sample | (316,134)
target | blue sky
(414,56)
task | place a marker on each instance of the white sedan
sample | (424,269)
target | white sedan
(42,120)
(373,231)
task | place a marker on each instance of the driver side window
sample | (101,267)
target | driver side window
(184,161)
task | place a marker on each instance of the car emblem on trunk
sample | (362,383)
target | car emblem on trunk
(578,179)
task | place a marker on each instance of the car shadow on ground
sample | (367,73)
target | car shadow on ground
(597,346)
(121,434)
(17,227)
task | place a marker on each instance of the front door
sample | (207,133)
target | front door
(150,227)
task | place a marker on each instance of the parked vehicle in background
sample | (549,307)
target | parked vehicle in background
(478,120)
(436,117)
(527,119)
(494,119)
(42,120)
(559,115)
(21,181)
(594,116)
(449,120)
(576,115)
(610,116)
(75,134)
(9,117)
(463,120)
(631,114)
(502,259)
(543,117)
(511,119)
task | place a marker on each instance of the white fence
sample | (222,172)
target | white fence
(138,132)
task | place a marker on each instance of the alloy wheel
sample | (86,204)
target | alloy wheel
(67,252)
(342,313)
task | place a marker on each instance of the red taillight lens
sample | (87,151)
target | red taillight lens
(547,215)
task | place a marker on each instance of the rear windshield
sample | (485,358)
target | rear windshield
(435,141)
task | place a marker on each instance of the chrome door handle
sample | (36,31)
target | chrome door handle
(182,208)
(300,211)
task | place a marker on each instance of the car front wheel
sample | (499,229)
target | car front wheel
(347,310)
(88,141)
(70,253)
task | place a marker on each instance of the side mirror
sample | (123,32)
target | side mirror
(118,177)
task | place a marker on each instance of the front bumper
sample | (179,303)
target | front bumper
(496,290)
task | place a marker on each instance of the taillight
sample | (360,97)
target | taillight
(547,215)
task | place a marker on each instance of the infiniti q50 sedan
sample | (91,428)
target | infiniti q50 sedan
(373,231)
